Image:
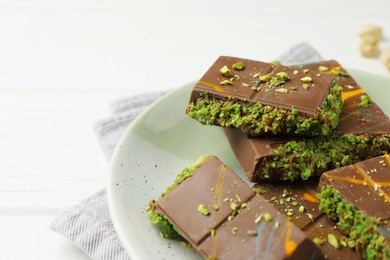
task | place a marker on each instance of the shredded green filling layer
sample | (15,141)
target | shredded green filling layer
(255,119)
(301,159)
(360,228)
(167,229)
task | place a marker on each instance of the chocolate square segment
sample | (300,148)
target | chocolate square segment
(306,101)
(210,82)
(223,218)
(213,183)
(259,98)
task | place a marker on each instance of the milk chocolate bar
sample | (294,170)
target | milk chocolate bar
(257,98)
(363,133)
(299,203)
(357,197)
(224,218)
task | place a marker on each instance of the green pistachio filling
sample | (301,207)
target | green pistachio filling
(167,229)
(301,159)
(360,228)
(255,119)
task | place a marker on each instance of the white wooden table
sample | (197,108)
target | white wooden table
(62,62)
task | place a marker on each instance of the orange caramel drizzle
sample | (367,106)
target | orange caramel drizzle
(289,245)
(333,70)
(353,93)
(310,198)
(377,185)
(208,84)
(367,181)
(218,196)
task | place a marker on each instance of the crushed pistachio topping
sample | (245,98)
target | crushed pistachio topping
(279,78)
(258,218)
(225,71)
(305,86)
(364,101)
(251,233)
(202,209)
(322,68)
(245,84)
(282,75)
(349,86)
(290,212)
(244,205)
(277,224)
(276,63)
(281,90)
(382,162)
(305,71)
(215,207)
(318,240)
(213,232)
(266,77)
(310,216)
(258,190)
(334,241)
(238,65)
(301,209)
(233,206)
(295,72)
(234,230)
(226,82)
(267,217)
(306,79)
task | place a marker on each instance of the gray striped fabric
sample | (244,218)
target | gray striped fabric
(88,224)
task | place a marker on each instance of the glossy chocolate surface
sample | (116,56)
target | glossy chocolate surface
(306,101)
(235,229)
(287,198)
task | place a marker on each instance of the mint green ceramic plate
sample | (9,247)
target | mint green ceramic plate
(157,146)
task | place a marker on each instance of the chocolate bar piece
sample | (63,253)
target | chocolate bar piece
(299,203)
(223,218)
(357,197)
(258,98)
(363,133)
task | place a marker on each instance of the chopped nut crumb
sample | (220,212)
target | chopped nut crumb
(238,65)
(267,217)
(202,209)
(306,79)
(225,71)
(226,82)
